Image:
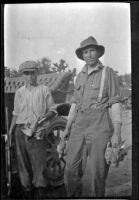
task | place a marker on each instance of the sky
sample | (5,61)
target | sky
(55,30)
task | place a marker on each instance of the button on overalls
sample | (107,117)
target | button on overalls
(92,128)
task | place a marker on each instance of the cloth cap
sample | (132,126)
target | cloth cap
(29,65)
(90,41)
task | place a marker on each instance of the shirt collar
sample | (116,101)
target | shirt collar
(98,66)
(30,88)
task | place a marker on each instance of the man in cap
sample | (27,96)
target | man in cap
(89,122)
(31,102)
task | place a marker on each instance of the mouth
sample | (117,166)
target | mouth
(91,60)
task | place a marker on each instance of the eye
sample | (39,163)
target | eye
(85,51)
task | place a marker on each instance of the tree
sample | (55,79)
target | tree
(15,73)
(11,72)
(127,80)
(7,72)
(121,80)
(124,80)
(61,66)
(44,65)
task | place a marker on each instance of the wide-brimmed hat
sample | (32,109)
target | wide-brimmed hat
(28,66)
(90,41)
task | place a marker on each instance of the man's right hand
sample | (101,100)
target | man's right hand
(61,147)
(65,134)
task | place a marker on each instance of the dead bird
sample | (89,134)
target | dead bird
(114,155)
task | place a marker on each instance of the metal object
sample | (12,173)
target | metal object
(55,166)
(7,153)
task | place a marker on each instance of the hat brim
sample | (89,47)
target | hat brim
(98,47)
(28,70)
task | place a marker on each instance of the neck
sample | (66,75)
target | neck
(29,86)
(93,65)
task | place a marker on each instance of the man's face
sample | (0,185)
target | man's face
(30,77)
(91,56)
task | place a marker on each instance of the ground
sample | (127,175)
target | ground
(118,183)
(119,179)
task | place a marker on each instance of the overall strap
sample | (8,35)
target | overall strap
(102,84)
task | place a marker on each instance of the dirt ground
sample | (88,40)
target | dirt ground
(118,183)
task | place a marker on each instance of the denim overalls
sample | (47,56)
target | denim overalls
(93,129)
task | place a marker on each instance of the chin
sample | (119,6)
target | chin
(91,63)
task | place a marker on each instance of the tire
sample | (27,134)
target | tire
(54,170)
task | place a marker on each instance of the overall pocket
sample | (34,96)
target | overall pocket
(93,93)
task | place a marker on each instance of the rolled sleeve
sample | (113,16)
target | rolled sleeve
(113,88)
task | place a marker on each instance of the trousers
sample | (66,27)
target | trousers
(93,129)
(31,160)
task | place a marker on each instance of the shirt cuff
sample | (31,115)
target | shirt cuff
(114,100)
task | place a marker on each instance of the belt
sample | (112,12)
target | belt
(96,106)
(92,108)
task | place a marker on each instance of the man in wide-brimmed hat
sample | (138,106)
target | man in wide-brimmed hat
(89,123)
(89,42)
(31,102)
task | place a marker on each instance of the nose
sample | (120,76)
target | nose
(29,76)
(89,54)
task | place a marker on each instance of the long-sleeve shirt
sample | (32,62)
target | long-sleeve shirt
(29,105)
